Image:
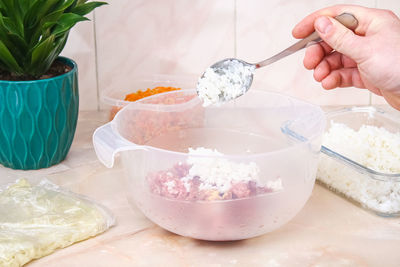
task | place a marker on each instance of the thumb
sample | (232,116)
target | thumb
(340,38)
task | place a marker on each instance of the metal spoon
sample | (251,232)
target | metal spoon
(222,67)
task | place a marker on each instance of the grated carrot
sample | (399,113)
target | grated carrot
(141,94)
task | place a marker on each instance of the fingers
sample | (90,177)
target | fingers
(376,91)
(392,98)
(315,53)
(346,77)
(364,16)
(343,78)
(332,62)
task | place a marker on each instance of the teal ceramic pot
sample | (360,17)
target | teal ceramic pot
(38,120)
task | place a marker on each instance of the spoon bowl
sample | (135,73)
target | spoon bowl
(233,76)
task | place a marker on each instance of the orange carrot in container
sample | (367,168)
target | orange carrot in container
(141,94)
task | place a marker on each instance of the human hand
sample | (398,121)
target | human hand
(367,58)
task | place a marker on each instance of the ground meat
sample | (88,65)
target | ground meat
(240,190)
(174,183)
(167,183)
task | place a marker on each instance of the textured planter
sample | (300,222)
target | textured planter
(38,120)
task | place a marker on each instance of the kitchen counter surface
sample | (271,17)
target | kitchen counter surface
(329,231)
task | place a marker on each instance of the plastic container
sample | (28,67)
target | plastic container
(373,190)
(37,218)
(113,98)
(153,136)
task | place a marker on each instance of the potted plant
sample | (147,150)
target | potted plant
(38,89)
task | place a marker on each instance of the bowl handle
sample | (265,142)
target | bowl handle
(107,144)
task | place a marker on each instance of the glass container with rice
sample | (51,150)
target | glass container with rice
(361,159)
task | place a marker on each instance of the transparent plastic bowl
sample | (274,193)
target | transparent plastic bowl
(113,98)
(154,134)
(373,190)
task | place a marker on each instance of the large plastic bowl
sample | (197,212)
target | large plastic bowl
(154,134)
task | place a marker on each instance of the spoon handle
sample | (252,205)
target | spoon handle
(346,19)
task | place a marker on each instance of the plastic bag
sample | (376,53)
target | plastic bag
(37,220)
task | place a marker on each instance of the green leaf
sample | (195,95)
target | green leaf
(80,2)
(44,8)
(11,27)
(8,6)
(66,22)
(42,66)
(41,51)
(7,58)
(17,47)
(60,44)
(66,5)
(25,5)
(10,37)
(38,10)
(3,30)
(50,20)
(44,25)
(14,13)
(86,8)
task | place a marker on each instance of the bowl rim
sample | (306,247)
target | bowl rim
(195,100)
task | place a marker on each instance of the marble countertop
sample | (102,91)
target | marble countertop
(329,230)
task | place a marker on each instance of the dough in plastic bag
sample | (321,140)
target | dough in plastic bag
(36,220)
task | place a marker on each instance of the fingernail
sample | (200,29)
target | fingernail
(323,25)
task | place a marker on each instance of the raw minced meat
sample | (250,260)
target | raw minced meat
(205,178)
(173,183)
